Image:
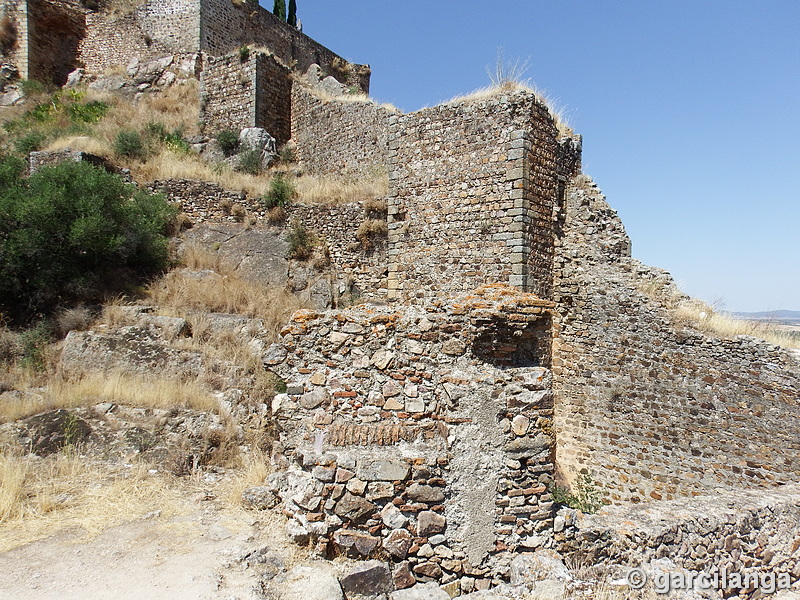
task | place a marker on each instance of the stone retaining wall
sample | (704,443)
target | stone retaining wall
(734,532)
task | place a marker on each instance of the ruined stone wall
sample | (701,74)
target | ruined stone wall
(49,33)
(359,272)
(17,53)
(406,434)
(740,532)
(652,408)
(473,187)
(225,26)
(339,137)
(256,92)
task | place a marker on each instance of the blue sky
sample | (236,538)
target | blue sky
(690,113)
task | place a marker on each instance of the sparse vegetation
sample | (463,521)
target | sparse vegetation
(228,141)
(313,189)
(250,162)
(130,144)
(280,194)
(301,241)
(585,498)
(370,231)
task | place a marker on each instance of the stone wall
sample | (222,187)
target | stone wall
(651,407)
(150,30)
(357,271)
(225,26)
(746,533)
(414,435)
(473,190)
(48,35)
(338,137)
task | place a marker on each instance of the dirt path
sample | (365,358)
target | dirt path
(197,557)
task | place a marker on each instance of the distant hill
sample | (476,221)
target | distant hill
(778,316)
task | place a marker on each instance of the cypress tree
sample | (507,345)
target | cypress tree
(292,18)
(279,9)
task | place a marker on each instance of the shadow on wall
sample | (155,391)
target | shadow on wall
(507,344)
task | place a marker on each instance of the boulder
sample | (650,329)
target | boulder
(54,430)
(257,138)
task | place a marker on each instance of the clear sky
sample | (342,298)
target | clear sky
(689,110)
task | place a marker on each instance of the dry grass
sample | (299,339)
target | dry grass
(701,316)
(122,388)
(370,232)
(39,497)
(225,291)
(330,191)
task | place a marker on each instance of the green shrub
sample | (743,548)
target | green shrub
(72,232)
(89,112)
(250,163)
(228,141)
(30,142)
(244,53)
(34,342)
(171,139)
(301,241)
(286,154)
(281,191)
(130,145)
(31,87)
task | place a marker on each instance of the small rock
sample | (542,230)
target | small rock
(392,517)
(314,398)
(397,543)
(382,470)
(354,508)
(421,591)
(307,583)
(430,523)
(519,425)
(259,498)
(275,354)
(425,493)
(454,347)
(358,542)
(402,578)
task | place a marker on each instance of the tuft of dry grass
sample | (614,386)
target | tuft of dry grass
(122,388)
(370,231)
(327,190)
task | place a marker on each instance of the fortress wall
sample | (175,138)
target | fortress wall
(472,194)
(227,26)
(339,137)
(228,93)
(363,270)
(54,31)
(651,407)
(148,31)
(253,93)
(17,12)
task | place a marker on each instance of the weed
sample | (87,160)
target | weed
(30,142)
(73,319)
(238,212)
(287,154)
(32,87)
(250,163)
(90,112)
(301,241)
(34,342)
(586,497)
(313,189)
(228,141)
(280,194)
(244,53)
(276,215)
(129,144)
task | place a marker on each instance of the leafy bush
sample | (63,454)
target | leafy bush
(30,142)
(244,53)
(228,141)
(130,145)
(74,231)
(89,112)
(301,241)
(280,194)
(250,163)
